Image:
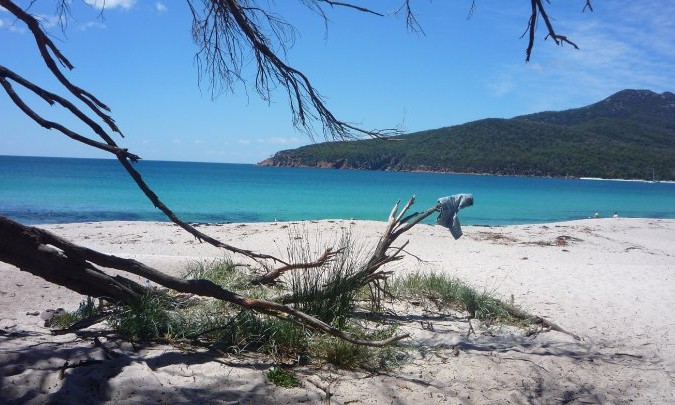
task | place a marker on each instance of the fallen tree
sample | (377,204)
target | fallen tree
(225,31)
(81,269)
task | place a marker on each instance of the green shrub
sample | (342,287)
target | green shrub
(148,319)
(86,309)
(282,378)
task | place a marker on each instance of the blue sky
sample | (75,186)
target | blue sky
(138,57)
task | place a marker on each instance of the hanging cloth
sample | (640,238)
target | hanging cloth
(450,207)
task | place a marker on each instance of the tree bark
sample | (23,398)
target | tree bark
(28,249)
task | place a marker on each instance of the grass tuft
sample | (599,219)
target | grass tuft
(86,309)
(282,378)
(454,294)
(148,319)
(347,355)
(328,292)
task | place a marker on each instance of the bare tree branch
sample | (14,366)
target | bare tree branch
(588,6)
(52,98)
(350,5)
(47,49)
(273,275)
(538,9)
(410,19)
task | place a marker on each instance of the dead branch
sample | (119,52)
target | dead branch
(52,99)
(395,228)
(520,314)
(410,18)
(351,5)
(84,323)
(273,275)
(538,9)
(588,6)
(384,253)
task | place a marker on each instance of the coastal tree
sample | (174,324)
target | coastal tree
(227,33)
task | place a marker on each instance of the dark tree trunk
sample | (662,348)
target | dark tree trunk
(28,249)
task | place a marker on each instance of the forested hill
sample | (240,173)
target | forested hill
(629,135)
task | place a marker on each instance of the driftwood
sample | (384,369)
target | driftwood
(520,314)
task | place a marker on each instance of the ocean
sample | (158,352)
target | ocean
(39,190)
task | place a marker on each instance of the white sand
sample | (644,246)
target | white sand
(611,281)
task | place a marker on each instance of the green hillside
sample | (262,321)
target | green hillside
(628,135)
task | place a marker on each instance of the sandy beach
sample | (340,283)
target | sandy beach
(611,281)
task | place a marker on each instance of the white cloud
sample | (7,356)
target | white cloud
(176,141)
(503,84)
(92,24)
(278,140)
(125,4)
(12,27)
(243,141)
(160,7)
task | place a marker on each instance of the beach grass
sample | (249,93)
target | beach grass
(451,293)
(282,378)
(329,293)
(86,309)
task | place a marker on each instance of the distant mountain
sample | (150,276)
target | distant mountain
(629,135)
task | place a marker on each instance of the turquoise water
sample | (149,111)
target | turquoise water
(52,190)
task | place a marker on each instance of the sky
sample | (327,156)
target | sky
(138,57)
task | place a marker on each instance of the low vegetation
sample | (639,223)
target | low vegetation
(449,293)
(333,292)
(160,317)
(282,378)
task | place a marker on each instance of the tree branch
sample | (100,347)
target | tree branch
(52,98)
(273,275)
(538,9)
(47,48)
(370,271)
(225,27)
